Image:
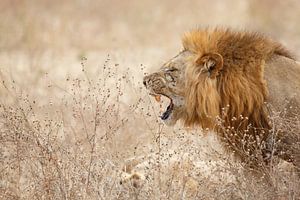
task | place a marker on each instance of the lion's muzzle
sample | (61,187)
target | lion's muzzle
(155,83)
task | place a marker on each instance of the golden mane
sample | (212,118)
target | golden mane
(237,95)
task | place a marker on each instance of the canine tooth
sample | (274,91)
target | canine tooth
(157,98)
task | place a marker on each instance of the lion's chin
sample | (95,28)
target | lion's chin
(167,114)
(174,116)
(170,121)
(168,117)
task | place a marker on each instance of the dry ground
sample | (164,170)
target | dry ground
(76,122)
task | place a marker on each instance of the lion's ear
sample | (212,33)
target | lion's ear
(212,63)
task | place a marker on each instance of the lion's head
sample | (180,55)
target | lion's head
(219,72)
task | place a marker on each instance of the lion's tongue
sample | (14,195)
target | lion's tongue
(158,98)
(167,113)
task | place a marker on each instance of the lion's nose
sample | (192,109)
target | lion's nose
(145,80)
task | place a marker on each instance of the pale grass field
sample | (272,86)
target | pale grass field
(76,122)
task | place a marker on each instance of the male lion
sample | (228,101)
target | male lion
(233,83)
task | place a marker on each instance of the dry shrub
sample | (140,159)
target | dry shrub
(76,147)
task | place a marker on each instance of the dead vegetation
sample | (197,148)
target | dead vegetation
(80,146)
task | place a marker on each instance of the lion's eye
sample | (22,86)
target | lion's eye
(171,69)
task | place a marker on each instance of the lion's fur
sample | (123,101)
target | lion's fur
(227,80)
(239,94)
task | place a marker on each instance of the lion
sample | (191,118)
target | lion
(233,83)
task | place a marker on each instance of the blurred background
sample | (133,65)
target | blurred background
(51,36)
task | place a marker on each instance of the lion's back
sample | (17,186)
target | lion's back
(283,81)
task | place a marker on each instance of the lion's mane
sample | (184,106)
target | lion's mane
(237,96)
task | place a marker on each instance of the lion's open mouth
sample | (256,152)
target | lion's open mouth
(166,114)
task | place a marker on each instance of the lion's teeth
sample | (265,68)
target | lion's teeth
(157,98)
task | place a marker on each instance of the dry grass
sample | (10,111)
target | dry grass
(77,147)
(76,122)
